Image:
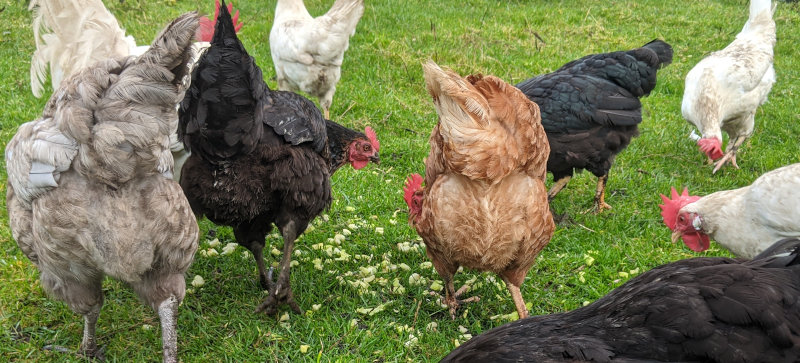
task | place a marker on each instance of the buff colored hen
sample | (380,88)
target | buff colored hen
(484,205)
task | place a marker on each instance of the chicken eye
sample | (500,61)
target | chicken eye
(367,147)
(682,218)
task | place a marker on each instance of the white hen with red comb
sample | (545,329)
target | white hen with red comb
(725,88)
(745,221)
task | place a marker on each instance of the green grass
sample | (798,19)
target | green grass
(382,86)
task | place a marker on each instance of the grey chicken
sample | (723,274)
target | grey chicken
(90,193)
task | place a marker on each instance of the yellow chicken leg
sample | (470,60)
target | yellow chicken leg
(557,186)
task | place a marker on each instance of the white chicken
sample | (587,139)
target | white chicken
(724,90)
(308,52)
(73,34)
(745,221)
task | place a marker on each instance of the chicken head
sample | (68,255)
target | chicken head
(684,225)
(361,152)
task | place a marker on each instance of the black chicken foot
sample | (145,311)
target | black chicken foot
(280,292)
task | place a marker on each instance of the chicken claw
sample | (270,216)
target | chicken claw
(280,292)
(452,301)
(98,354)
(729,156)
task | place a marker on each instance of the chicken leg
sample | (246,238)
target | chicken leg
(168,316)
(82,297)
(451,296)
(557,186)
(730,154)
(89,343)
(600,195)
(513,280)
(251,236)
(258,254)
(280,291)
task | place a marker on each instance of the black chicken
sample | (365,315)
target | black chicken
(706,309)
(590,110)
(259,156)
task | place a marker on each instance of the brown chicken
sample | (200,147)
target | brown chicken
(485,203)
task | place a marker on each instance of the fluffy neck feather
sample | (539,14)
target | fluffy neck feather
(291,9)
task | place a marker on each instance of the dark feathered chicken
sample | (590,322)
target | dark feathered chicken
(259,156)
(590,110)
(707,309)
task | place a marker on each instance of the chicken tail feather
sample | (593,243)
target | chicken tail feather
(482,117)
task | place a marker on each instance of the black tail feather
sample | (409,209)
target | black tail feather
(785,252)
(662,49)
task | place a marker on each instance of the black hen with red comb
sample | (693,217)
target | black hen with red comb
(259,156)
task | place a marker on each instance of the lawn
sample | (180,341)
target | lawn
(362,276)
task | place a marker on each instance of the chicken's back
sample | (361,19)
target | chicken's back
(71,35)
(590,107)
(89,192)
(256,153)
(702,309)
(308,52)
(485,205)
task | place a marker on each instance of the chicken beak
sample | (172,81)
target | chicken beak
(375,159)
(676,235)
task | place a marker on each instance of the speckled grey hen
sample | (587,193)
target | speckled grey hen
(89,191)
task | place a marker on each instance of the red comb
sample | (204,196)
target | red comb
(373,138)
(670,208)
(711,147)
(413,183)
(205,32)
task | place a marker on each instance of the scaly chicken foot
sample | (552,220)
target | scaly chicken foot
(88,348)
(730,155)
(600,196)
(168,317)
(451,298)
(280,291)
(98,354)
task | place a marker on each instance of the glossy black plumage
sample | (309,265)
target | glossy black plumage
(590,107)
(707,309)
(257,156)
